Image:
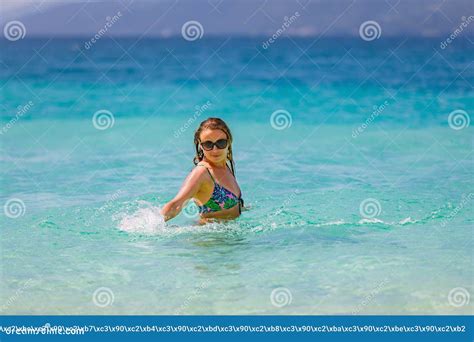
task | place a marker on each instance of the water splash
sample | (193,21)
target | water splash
(146,220)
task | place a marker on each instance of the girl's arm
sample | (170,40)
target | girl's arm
(189,188)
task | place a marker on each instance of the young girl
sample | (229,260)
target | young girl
(212,183)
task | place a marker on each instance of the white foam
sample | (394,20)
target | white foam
(145,220)
(331,223)
(407,220)
(148,220)
(370,220)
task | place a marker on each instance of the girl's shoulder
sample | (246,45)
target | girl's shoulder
(202,165)
(197,176)
(201,173)
(200,169)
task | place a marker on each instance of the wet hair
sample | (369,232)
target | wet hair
(213,123)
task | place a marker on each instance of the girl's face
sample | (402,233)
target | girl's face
(215,155)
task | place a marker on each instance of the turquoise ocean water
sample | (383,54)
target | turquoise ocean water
(359,185)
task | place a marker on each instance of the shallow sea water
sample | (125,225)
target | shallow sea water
(379,222)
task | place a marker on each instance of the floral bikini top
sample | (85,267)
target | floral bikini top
(221,198)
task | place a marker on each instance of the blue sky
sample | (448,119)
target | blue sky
(424,18)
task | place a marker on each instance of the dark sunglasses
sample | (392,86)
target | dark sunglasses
(209,145)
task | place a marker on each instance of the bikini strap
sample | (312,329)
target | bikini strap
(207,172)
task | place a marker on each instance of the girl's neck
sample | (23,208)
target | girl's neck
(220,165)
